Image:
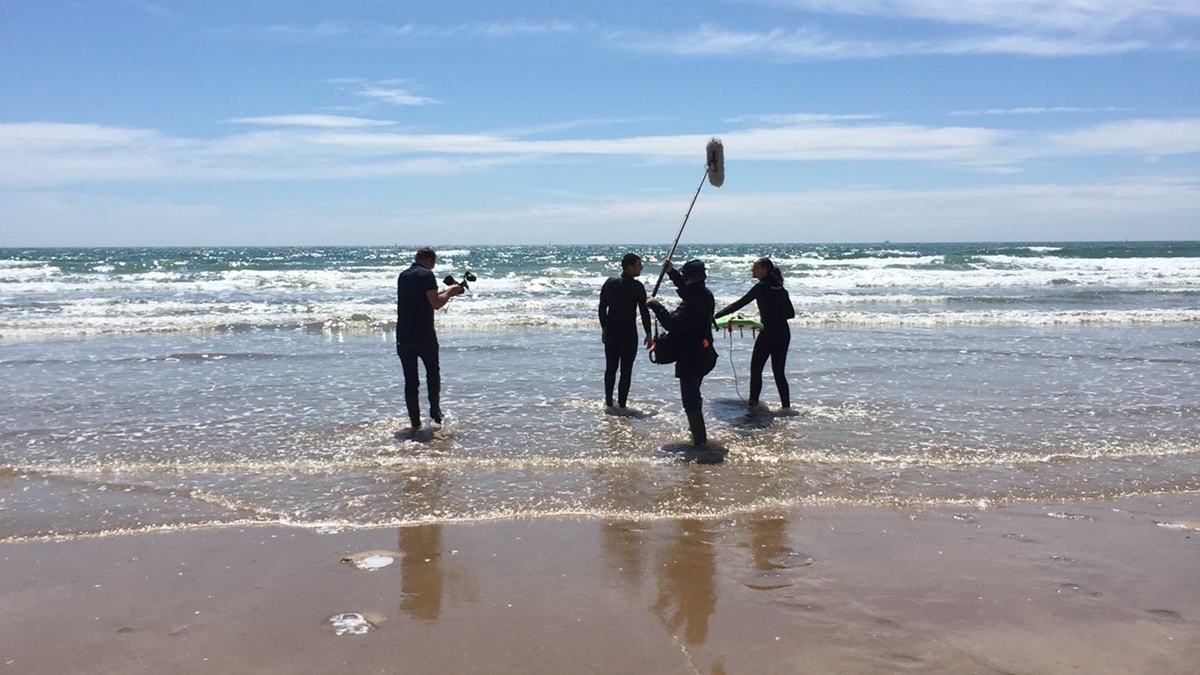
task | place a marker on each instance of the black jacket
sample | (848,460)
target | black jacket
(774,305)
(621,300)
(691,324)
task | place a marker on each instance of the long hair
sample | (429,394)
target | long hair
(773,274)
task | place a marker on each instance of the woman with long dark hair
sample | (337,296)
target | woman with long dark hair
(774,310)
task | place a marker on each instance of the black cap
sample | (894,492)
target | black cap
(693,269)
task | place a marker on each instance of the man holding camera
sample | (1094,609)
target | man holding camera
(417,296)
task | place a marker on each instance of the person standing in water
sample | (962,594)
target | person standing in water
(690,326)
(774,310)
(622,298)
(417,296)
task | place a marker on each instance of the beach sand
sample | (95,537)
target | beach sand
(1090,587)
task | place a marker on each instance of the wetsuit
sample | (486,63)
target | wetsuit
(416,340)
(621,299)
(774,310)
(691,324)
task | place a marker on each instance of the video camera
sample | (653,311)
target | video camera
(467,276)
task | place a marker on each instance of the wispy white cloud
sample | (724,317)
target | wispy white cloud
(1025,44)
(329,147)
(393,92)
(497,30)
(1077,16)
(1025,212)
(319,121)
(1037,111)
(887,142)
(517,28)
(802,118)
(571,125)
(325,29)
(1164,209)
(811,44)
(1141,136)
(777,43)
(394,95)
(52,135)
(1043,28)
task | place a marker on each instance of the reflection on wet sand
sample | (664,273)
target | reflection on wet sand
(621,543)
(421,575)
(686,565)
(768,543)
(669,567)
(1031,588)
(687,594)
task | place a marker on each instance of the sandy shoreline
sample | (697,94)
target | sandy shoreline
(1089,587)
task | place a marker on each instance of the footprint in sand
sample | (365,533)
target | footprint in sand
(353,623)
(371,560)
(780,572)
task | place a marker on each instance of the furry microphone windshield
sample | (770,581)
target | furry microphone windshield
(716,162)
(714,171)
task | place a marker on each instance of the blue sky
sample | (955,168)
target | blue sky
(294,122)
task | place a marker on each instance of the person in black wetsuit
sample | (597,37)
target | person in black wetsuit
(774,310)
(417,296)
(621,299)
(691,325)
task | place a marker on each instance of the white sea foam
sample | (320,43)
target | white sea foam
(290,289)
(106,318)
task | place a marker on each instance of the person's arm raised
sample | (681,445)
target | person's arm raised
(438,299)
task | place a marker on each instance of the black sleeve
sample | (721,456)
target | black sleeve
(644,311)
(742,302)
(664,317)
(676,277)
(604,304)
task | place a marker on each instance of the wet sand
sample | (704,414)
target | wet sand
(1095,587)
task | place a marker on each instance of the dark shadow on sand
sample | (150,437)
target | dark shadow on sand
(738,415)
(712,453)
(743,418)
(422,435)
(631,413)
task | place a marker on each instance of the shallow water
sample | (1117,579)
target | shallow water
(182,429)
(166,388)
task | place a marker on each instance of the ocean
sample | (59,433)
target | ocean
(159,389)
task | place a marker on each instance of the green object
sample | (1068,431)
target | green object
(737,321)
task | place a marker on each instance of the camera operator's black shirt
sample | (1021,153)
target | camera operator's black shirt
(414,314)
(621,298)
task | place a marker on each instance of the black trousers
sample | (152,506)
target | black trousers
(689,392)
(773,345)
(619,354)
(427,353)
